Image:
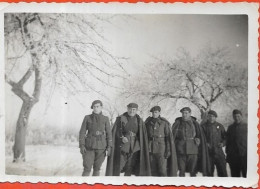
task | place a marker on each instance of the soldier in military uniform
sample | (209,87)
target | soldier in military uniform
(190,144)
(95,139)
(216,139)
(161,145)
(236,146)
(130,154)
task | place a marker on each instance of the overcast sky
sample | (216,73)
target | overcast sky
(138,37)
(163,34)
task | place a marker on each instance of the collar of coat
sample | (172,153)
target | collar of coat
(123,118)
(98,115)
(94,114)
(160,120)
(180,119)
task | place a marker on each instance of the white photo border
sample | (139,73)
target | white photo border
(250,9)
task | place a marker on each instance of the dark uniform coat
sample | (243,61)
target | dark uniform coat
(95,133)
(96,136)
(161,140)
(142,168)
(215,134)
(184,146)
(236,140)
(236,148)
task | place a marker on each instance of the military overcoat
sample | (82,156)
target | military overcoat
(142,168)
(203,164)
(164,129)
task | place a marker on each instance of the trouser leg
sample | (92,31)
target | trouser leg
(220,163)
(181,164)
(212,165)
(235,167)
(192,164)
(99,159)
(153,164)
(244,165)
(88,161)
(123,159)
(130,164)
(162,165)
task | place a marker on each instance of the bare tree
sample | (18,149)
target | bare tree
(111,108)
(201,80)
(55,50)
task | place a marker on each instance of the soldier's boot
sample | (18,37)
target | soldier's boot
(221,169)
(182,174)
(85,173)
(128,168)
(96,173)
(193,174)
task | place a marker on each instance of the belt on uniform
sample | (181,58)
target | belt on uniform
(156,137)
(98,133)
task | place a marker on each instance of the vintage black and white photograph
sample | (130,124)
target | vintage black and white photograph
(101,94)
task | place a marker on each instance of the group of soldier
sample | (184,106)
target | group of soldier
(154,148)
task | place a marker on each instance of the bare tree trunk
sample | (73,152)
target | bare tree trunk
(28,103)
(20,133)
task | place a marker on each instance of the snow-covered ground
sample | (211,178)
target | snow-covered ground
(47,160)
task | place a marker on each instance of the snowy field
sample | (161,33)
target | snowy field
(47,160)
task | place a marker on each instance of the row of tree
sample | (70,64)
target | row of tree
(202,80)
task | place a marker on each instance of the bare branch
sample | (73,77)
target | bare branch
(18,90)
(9,81)
(21,26)
(220,91)
(168,95)
(26,76)
(17,57)
(191,81)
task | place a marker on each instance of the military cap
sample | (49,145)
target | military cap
(96,102)
(185,109)
(212,112)
(155,108)
(132,105)
(237,112)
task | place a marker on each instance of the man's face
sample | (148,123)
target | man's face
(131,111)
(237,118)
(211,118)
(156,114)
(186,115)
(97,108)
